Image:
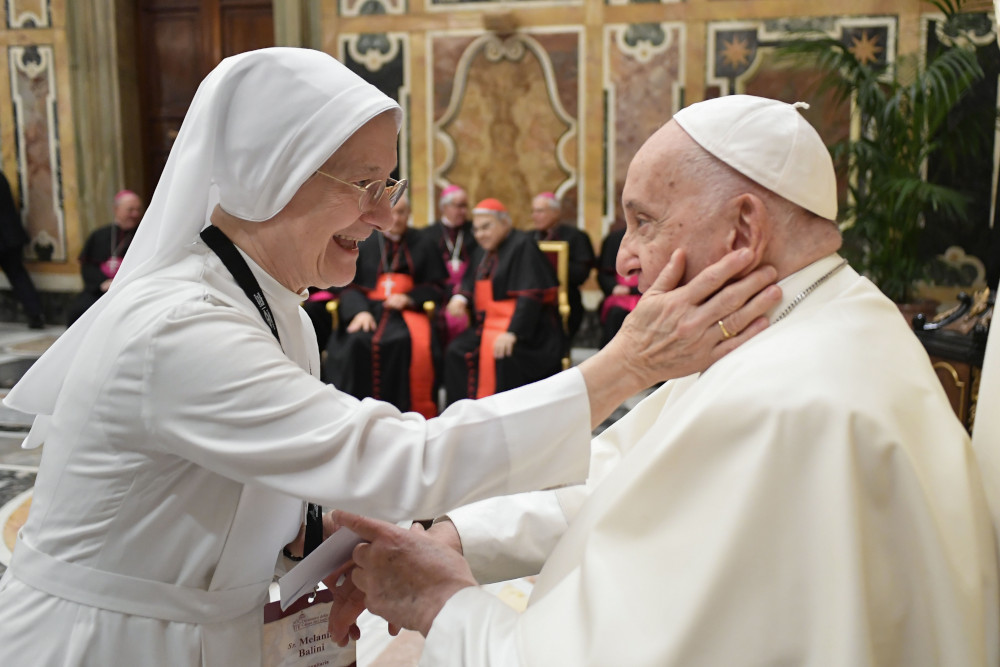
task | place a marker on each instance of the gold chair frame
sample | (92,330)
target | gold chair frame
(561,250)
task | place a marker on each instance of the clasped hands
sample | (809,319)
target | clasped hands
(365,321)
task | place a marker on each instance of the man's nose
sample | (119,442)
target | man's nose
(626,261)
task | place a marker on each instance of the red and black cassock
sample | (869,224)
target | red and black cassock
(398,361)
(513,289)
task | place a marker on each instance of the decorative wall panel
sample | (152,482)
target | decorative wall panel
(33,94)
(380,59)
(651,53)
(28,13)
(969,175)
(505,117)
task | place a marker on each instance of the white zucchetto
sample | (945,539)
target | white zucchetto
(770,143)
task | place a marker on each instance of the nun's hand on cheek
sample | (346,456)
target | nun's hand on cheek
(674,330)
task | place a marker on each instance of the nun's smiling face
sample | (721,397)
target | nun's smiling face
(321,226)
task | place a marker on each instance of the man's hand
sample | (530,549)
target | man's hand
(621,290)
(503,345)
(406,576)
(397,302)
(363,321)
(349,601)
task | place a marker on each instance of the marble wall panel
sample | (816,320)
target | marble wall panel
(643,85)
(505,117)
(29,14)
(381,59)
(33,95)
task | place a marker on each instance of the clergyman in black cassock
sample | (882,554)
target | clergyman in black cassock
(394,358)
(511,290)
(546,212)
(452,234)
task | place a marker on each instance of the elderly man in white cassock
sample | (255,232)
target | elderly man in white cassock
(810,499)
(986,431)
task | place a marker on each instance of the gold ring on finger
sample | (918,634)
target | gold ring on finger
(725,332)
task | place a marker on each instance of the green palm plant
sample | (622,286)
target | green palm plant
(903,112)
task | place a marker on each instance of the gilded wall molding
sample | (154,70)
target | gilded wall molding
(654,52)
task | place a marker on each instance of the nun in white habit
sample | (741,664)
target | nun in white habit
(183,418)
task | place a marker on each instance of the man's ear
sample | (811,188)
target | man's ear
(749,226)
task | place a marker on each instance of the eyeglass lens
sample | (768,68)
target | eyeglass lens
(376,190)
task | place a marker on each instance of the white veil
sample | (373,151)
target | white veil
(260,124)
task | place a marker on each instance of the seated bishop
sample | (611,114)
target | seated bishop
(385,347)
(510,290)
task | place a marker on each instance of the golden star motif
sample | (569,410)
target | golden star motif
(736,52)
(865,48)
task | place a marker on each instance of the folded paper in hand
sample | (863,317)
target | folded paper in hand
(328,556)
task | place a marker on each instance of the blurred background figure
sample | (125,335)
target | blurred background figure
(516,337)
(386,348)
(103,252)
(621,293)
(545,213)
(12,241)
(452,234)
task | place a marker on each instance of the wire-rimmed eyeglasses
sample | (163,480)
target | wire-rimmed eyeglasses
(372,193)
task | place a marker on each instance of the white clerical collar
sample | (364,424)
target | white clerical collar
(796,287)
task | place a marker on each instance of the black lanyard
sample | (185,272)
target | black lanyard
(231,258)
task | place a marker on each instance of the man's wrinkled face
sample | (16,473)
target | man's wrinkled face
(489,231)
(128,212)
(400,218)
(665,210)
(543,214)
(456,210)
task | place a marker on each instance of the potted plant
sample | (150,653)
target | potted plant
(903,112)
